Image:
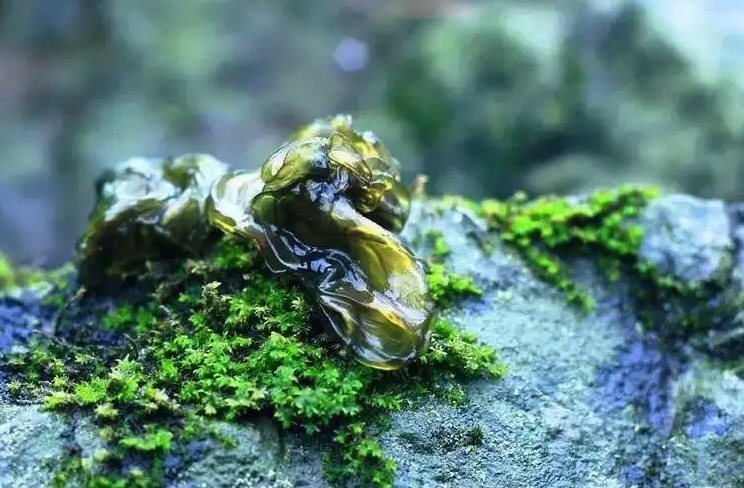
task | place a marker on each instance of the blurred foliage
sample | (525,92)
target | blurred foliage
(615,103)
(509,95)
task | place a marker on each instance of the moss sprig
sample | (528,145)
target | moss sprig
(448,288)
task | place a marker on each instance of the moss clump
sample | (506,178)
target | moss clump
(55,280)
(447,288)
(219,339)
(544,228)
(7,273)
(601,226)
(440,249)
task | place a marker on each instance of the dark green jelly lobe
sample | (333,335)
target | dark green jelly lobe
(323,208)
(147,209)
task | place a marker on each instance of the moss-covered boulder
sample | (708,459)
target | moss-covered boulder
(601,379)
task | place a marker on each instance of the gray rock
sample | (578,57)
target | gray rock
(736,214)
(708,413)
(688,238)
(588,401)
(30,444)
(258,461)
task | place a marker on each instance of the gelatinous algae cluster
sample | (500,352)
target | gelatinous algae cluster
(324,208)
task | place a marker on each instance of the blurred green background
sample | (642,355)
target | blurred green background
(484,97)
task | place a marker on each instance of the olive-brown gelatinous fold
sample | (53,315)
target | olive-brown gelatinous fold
(307,221)
(147,209)
(323,208)
(382,198)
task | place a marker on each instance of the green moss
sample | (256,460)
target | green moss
(219,339)
(58,280)
(53,282)
(7,273)
(602,227)
(543,229)
(435,239)
(446,287)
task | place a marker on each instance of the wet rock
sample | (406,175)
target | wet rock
(589,401)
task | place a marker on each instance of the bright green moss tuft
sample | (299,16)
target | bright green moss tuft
(598,225)
(231,254)
(7,273)
(24,276)
(439,245)
(52,282)
(601,226)
(361,457)
(218,339)
(446,288)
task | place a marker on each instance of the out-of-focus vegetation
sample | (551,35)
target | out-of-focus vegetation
(484,97)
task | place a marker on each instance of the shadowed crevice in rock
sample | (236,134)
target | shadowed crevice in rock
(635,393)
(641,379)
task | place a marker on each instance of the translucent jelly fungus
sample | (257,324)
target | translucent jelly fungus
(324,208)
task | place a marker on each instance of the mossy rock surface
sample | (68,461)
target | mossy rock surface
(592,397)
